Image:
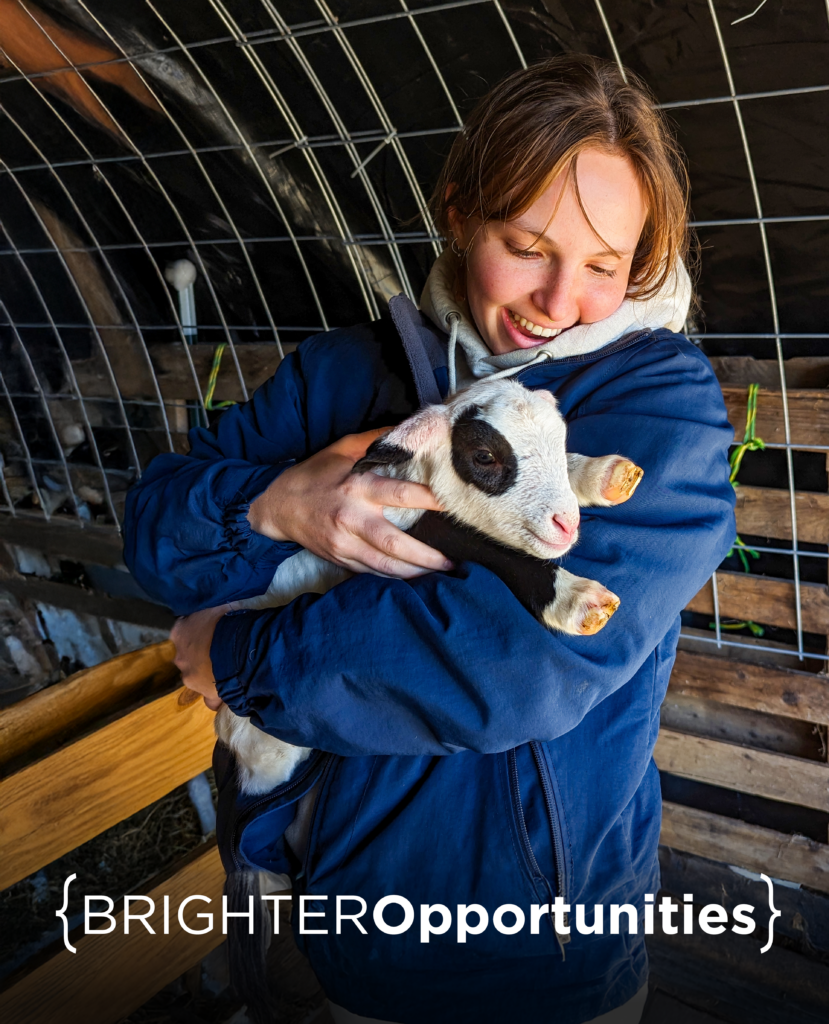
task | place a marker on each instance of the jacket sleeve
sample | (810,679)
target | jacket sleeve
(452,661)
(187,540)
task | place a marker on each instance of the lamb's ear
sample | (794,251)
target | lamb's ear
(547,396)
(419,434)
(381,453)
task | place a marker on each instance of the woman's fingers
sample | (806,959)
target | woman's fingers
(325,508)
(395,547)
(365,557)
(192,636)
(383,490)
(368,542)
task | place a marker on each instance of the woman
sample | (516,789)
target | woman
(565,207)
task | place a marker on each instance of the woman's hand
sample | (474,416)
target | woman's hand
(193,635)
(318,504)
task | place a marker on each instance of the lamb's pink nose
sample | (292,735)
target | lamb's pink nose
(568,523)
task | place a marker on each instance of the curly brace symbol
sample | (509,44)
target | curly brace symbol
(62,913)
(775,913)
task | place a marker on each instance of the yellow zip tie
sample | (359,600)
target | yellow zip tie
(209,404)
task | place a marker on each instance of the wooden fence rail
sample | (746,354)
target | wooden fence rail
(52,806)
(793,780)
(766,512)
(792,857)
(757,687)
(808,415)
(767,600)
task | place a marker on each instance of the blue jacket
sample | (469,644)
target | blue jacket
(551,788)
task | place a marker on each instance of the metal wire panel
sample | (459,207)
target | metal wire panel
(287,149)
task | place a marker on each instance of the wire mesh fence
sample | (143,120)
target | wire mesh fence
(188,190)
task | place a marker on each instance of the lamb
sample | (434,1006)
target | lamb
(494,456)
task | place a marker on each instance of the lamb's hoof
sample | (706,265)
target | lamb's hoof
(622,481)
(581,607)
(597,616)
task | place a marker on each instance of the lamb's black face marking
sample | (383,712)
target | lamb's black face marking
(481,455)
(381,453)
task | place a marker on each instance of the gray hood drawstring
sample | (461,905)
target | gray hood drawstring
(454,320)
(471,359)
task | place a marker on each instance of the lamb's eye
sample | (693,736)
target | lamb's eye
(484,457)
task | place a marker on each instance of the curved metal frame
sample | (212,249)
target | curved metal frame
(354,143)
(102,254)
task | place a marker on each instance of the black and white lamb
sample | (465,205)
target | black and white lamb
(494,456)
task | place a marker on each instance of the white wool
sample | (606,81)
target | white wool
(668,308)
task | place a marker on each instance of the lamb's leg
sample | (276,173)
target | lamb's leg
(607,480)
(264,761)
(555,597)
(302,573)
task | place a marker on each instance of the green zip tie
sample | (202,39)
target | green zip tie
(209,404)
(748,624)
(750,442)
(742,551)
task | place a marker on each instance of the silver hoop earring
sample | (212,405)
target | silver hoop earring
(456,248)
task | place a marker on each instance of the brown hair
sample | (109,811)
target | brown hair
(530,129)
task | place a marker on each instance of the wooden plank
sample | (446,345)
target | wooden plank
(53,537)
(727,974)
(715,720)
(803,910)
(765,599)
(87,602)
(84,697)
(61,801)
(774,776)
(257,360)
(766,512)
(111,976)
(801,372)
(808,415)
(766,688)
(795,858)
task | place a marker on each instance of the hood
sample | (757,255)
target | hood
(667,308)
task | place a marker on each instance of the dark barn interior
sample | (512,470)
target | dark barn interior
(189,189)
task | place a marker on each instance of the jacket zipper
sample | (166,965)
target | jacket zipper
(555,826)
(267,799)
(525,836)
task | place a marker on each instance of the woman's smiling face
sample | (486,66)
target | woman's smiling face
(530,278)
